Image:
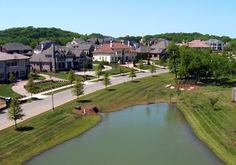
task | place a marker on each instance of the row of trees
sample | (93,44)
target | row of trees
(32,36)
(15,112)
(197,64)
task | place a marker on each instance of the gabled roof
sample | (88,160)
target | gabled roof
(6,56)
(14,46)
(197,44)
(143,49)
(107,48)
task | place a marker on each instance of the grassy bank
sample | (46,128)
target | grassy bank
(6,91)
(214,127)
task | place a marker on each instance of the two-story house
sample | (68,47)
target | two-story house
(15,64)
(115,52)
(58,58)
(19,48)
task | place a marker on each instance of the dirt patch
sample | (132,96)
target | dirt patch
(87,110)
(183,87)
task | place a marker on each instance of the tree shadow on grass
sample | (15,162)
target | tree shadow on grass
(135,81)
(84,101)
(111,89)
(217,109)
(25,129)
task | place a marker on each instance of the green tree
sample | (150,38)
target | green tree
(78,88)
(12,77)
(30,86)
(213,101)
(15,112)
(153,69)
(140,64)
(132,73)
(50,75)
(98,70)
(71,76)
(173,51)
(106,81)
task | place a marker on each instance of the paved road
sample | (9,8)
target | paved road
(36,107)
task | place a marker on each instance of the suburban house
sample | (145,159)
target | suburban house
(195,44)
(18,48)
(114,52)
(158,48)
(43,46)
(58,58)
(143,52)
(15,64)
(86,47)
(215,44)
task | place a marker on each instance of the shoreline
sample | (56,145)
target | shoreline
(118,104)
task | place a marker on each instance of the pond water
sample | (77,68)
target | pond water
(138,135)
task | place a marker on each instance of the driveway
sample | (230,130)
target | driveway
(37,107)
(18,87)
(93,73)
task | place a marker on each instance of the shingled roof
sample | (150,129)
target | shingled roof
(112,48)
(6,57)
(14,46)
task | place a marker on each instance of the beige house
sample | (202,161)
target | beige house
(16,64)
(115,52)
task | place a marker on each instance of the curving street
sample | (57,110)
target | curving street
(37,107)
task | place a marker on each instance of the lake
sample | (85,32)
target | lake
(138,135)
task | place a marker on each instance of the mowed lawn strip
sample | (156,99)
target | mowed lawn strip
(6,91)
(215,128)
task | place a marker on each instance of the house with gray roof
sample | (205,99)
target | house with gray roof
(14,47)
(43,46)
(15,64)
(159,48)
(58,58)
(215,44)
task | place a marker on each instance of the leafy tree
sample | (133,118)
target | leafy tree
(173,51)
(50,75)
(153,69)
(30,86)
(140,64)
(132,73)
(213,101)
(15,112)
(106,81)
(98,70)
(71,76)
(78,88)
(12,77)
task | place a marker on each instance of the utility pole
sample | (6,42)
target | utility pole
(52,102)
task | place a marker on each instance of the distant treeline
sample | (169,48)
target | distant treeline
(179,37)
(32,36)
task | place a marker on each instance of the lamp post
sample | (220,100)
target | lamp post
(52,102)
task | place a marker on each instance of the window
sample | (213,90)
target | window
(1,75)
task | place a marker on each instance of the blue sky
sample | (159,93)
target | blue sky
(123,17)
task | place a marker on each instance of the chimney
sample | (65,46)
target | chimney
(53,58)
(128,43)
(111,44)
(42,47)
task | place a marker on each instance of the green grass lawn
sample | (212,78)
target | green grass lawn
(215,128)
(64,75)
(6,91)
(49,85)
(117,69)
(145,67)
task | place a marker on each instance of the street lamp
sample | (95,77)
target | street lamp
(52,102)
